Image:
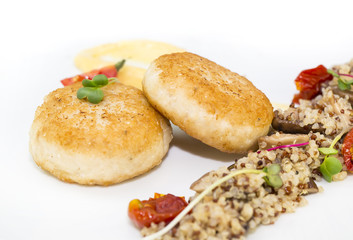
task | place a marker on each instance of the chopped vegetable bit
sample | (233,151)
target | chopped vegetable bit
(309,82)
(109,71)
(161,208)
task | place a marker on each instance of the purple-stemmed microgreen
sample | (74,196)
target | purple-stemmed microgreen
(342,84)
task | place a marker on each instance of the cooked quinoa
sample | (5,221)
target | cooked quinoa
(240,204)
(327,113)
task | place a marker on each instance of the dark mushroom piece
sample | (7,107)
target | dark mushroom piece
(200,184)
(286,126)
(311,187)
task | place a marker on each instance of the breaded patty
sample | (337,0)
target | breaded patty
(105,143)
(209,102)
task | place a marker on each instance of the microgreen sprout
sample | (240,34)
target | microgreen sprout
(331,165)
(271,177)
(342,84)
(92,88)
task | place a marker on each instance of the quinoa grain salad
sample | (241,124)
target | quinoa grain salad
(309,142)
(242,203)
(327,113)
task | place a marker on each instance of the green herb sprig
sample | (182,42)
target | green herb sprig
(271,171)
(342,84)
(92,88)
(331,165)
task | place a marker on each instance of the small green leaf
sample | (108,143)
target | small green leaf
(274,169)
(326,174)
(88,83)
(328,151)
(100,80)
(272,177)
(343,86)
(329,167)
(119,65)
(83,92)
(333,165)
(275,181)
(95,95)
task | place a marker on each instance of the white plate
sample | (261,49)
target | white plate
(35,205)
(269,46)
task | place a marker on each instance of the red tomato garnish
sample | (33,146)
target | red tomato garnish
(309,81)
(161,208)
(109,71)
(347,150)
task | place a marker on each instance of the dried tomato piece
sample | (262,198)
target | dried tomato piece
(309,83)
(347,150)
(161,208)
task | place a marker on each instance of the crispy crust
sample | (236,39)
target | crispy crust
(208,101)
(106,143)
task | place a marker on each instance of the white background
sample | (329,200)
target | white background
(269,42)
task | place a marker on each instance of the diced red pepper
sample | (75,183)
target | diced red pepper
(309,83)
(109,71)
(161,208)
